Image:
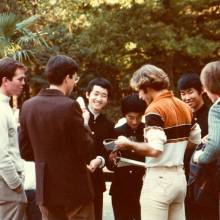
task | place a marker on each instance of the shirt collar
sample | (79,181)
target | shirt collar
(94,114)
(165,94)
(4,98)
(216,102)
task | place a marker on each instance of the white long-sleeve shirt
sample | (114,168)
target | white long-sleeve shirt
(30,176)
(10,161)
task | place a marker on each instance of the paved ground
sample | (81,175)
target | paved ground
(107,206)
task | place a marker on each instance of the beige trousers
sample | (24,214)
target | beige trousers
(163,194)
(12,210)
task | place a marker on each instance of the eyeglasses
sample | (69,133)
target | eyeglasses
(77,78)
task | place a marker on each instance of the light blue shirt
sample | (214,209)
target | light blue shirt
(212,149)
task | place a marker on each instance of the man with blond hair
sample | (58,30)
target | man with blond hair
(169,126)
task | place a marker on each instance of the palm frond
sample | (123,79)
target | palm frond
(3,41)
(23,55)
(27,22)
(10,48)
(16,40)
(43,42)
(7,24)
(33,38)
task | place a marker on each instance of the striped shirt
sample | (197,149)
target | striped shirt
(169,126)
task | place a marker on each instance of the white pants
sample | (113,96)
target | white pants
(163,194)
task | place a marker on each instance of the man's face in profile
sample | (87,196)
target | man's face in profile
(16,85)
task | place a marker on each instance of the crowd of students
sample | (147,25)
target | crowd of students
(65,141)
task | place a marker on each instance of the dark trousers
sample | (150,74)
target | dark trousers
(82,212)
(98,204)
(198,212)
(126,208)
(32,211)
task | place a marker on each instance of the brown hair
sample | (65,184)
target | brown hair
(8,66)
(58,67)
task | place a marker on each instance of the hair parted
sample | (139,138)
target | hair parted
(150,76)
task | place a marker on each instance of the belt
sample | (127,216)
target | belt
(172,168)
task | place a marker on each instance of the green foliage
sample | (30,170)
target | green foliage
(121,39)
(17,39)
(113,38)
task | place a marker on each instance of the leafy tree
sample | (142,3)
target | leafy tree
(113,38)
(176,35)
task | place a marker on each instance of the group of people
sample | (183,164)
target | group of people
(65,141)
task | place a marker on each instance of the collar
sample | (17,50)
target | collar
(50,92)
(4,98)
(217,101)
(140,127)
(164,94)
(94,114)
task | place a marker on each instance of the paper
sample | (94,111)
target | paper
(122,162)
(81,102)
(109,144)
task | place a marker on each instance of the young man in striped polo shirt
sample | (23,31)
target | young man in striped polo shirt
(168,130)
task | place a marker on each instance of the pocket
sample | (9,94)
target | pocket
(164,183)
(158,184)
(40,178)
(7,194)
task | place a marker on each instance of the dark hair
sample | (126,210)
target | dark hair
(210,77)
(132,103)
(8,66)
(189,80)
(102,82)
(58,67)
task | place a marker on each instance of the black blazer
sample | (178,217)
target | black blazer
(52,133)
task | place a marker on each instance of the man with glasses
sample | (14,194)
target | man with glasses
(77,78)
(12,196)
(52,133)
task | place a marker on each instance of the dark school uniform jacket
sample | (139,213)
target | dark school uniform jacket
(102,128)
(127,181)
